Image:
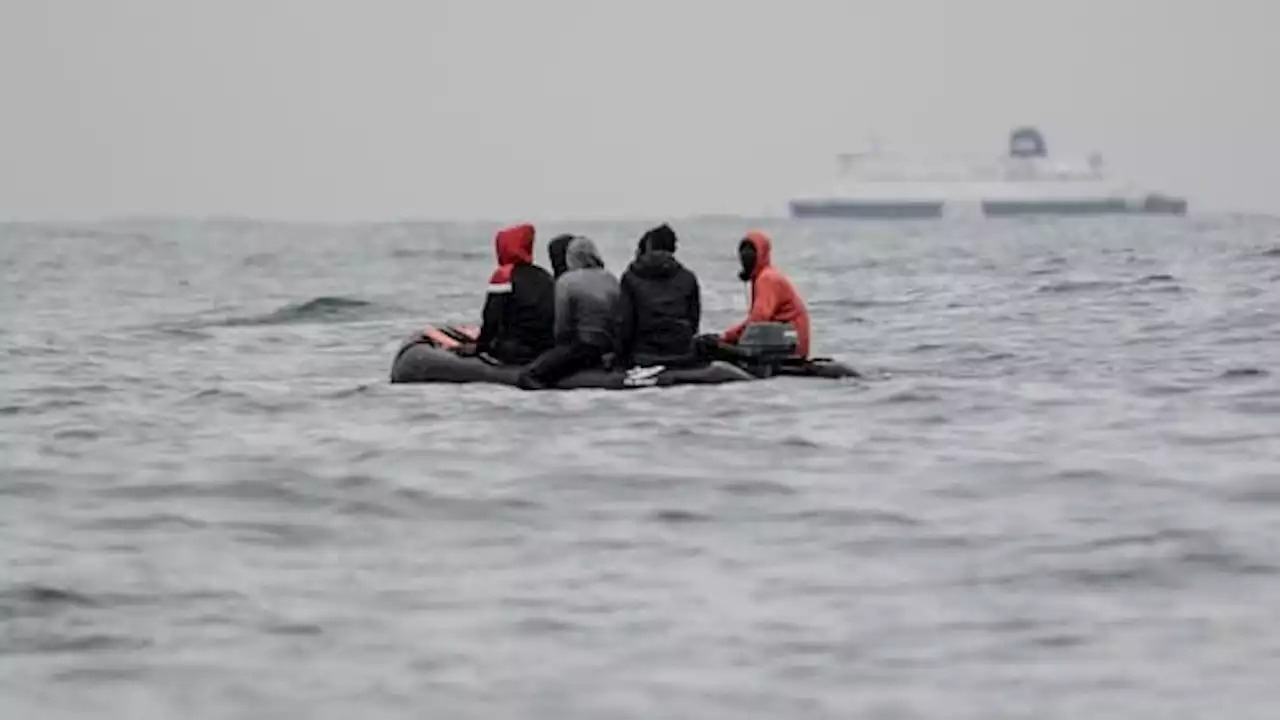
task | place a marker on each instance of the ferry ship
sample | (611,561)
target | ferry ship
(1026,181)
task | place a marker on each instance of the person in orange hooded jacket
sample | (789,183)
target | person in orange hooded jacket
(773,297)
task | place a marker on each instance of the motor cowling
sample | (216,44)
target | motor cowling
(768,344)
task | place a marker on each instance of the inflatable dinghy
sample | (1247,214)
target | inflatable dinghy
(428,357)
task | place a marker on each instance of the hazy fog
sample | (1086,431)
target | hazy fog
(382,109)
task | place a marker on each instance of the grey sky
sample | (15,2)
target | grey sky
(381,109)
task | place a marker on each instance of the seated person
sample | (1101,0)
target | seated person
(519,307)
(586,311)
(660,306)
(773,299)
(556,251)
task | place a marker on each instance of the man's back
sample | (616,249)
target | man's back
(530,316)
(519,310)
(660,307)
(586,299)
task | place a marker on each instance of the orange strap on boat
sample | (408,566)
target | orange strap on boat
(456,336)
(438,338)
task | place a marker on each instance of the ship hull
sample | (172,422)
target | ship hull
(868,210)
(883,209)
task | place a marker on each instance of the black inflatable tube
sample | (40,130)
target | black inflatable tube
(825,368)
(422,362)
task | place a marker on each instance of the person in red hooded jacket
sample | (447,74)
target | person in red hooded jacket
(773,297)
(519,307)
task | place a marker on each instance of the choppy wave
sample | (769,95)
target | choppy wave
(323,309)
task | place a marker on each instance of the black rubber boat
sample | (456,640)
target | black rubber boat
(428,357)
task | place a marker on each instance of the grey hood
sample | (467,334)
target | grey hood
(586,298)
(582,253)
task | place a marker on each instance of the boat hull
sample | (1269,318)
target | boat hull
(428,357)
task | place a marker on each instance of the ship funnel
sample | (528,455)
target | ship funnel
(1027,142)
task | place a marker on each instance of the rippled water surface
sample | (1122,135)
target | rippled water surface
(1056,496)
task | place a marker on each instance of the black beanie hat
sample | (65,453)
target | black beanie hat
(660,238)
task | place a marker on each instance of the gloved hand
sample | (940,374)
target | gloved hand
(466,350)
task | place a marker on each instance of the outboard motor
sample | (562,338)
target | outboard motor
(765,346)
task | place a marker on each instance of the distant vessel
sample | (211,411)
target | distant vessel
(1026,181)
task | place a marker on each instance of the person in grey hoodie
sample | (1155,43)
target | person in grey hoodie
(586,302)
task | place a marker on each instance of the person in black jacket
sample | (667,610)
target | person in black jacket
(660,305)
(519,308)
(557,250)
